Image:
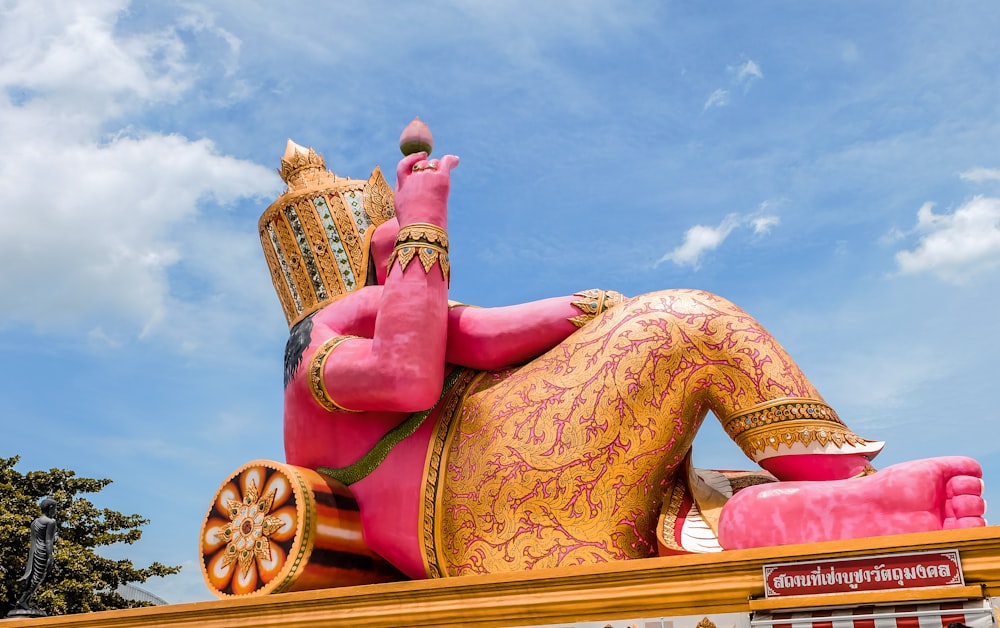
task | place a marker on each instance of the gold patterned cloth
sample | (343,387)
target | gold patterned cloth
(569,458)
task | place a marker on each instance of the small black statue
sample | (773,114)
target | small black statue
(41,559)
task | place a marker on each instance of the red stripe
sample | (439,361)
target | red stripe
(819,615)
(949,612)
(958,616)
(868,622)
(906,622)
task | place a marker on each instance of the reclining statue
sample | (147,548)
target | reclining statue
(556,432)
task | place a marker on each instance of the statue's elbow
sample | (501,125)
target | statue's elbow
(410,391)
(410,398)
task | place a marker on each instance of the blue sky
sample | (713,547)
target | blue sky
(832,167)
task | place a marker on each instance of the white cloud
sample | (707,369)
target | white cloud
(62,54)
(744,74)
(978,175)
(893,235)
(200,19)
(100,242)
(762,225)
(748,72)
(701,239)
(718,98)
(955,246)
(91,223)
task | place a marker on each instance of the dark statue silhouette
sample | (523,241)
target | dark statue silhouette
(41,559)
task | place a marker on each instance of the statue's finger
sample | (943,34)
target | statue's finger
(447,163)
(405,167)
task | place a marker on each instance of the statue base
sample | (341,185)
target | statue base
(25,613)
(718,587)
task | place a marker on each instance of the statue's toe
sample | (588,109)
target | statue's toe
(964,485)
(964,504)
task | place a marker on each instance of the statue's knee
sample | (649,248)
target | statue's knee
(685,302)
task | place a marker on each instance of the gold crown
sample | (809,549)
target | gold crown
(316,235)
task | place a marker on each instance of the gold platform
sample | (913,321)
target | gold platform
(728,582)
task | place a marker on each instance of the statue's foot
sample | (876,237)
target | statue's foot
(919,496)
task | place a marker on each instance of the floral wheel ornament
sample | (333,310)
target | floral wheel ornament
(274,527)
(246,535)
(251,529)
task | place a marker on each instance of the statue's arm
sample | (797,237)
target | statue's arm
(31,561)
(400,367)
(492,338)
(50,542)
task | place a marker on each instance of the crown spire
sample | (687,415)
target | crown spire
(303,167)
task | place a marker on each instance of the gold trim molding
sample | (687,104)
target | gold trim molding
(725,582)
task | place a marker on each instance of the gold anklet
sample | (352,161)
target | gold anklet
(789,422)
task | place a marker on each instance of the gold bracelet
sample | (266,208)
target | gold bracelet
(422,232)
(428,254)
(316,367)
(593,303)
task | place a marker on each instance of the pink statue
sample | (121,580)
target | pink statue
(558,431)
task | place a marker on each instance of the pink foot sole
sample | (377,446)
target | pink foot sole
(923,495)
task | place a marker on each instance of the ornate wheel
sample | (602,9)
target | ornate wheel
(274,527)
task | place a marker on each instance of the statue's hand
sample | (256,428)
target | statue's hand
(422,187)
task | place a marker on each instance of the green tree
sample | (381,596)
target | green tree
(83,580)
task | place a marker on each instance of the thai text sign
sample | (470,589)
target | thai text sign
(869,573)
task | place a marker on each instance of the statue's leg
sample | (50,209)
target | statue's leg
(566,459)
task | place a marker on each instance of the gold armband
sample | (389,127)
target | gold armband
(316,367)
(425,241)
(593,303)
(423,232)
